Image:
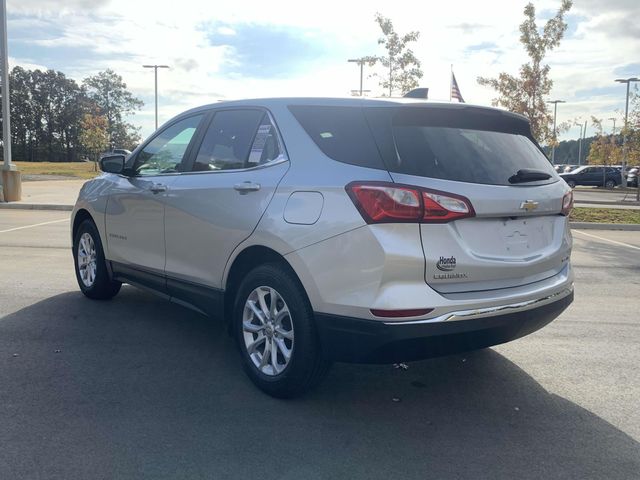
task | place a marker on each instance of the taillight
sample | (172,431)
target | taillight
(567,203)
(382,202)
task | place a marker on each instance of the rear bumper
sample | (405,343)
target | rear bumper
(356,340)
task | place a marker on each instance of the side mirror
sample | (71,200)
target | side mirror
(112,163)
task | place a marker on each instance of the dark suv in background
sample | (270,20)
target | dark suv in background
(592,175)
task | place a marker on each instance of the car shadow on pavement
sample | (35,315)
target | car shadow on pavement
(137,387)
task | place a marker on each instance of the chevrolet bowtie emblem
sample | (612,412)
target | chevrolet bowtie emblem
(529,205)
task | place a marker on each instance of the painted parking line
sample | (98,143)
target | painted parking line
(34,225)
(622,244)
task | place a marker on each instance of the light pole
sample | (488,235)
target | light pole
(10,179)
(628,81)
(155,71)
(360,61)
(579,142)
(584,133)
(555,114)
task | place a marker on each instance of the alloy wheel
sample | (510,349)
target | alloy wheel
(86,259)
(267,329)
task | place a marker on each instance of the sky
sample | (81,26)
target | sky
(251,49)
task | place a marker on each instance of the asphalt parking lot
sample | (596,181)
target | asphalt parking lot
(140,388)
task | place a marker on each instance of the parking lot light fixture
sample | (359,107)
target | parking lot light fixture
(155,71)
(628,81)
(579,143)
(555,133)
(360,61)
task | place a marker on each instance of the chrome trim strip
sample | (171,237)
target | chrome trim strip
(490,311)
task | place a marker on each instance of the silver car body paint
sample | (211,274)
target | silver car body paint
(197,227)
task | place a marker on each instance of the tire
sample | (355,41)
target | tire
(291,329)
(610,184)
(571,183)
(96,284)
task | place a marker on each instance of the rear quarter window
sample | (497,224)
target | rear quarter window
(342,133)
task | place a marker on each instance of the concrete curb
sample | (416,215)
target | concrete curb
(605,202)
(35,206)
(605,226)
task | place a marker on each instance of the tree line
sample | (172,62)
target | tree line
(54,118)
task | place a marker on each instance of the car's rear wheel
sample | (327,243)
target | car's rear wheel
(275,330)
(571,183)
(610,184)
(90,264)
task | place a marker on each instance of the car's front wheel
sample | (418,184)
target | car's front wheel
(610,184)
(274,327)
(90,264)
(571,183)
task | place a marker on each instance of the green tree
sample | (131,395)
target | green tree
(402,66)
(109,93)
(526,93)
(46,109)
(93,134)
(632,129)
(604,149)
(21,112)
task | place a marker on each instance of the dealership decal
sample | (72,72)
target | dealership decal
(446,264)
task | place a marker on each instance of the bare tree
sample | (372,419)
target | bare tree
(403,67)
(526,93)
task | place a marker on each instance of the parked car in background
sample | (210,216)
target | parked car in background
(592,175)
(116,151)
(632,177)
(354,230)
(569,168)
(559,168)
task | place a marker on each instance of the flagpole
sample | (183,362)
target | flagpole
(450,81)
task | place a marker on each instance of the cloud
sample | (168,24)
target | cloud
(620,26)
(248,48)
(224,30)
(268,51)
(44,6)
(186,64)
(468,28)
(630,69)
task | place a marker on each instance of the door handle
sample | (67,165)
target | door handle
(158,188)
(246,187)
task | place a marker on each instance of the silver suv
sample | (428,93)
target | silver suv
(336,230)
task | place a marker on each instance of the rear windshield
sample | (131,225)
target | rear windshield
(464,145)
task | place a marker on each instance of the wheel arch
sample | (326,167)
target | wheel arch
(80,216)
(244,262)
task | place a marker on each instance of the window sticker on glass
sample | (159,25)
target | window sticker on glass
(326,134)
(263,134)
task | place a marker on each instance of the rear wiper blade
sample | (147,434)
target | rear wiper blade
(529,175)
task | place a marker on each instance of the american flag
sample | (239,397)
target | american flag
(455,90)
